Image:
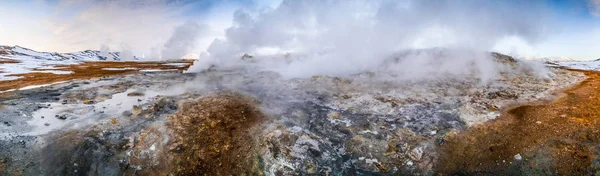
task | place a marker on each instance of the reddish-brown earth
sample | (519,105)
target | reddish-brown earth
(215,135)
(557,138)
(85,70)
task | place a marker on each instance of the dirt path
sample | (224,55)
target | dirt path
(561,137)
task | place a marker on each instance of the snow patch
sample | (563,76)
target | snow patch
(157,70)
(116,69)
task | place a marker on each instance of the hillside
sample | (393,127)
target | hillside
(17,60)
(18,52)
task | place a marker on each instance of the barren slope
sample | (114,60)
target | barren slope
(560,138)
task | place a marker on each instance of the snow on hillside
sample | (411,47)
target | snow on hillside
(550,59)
(568,62)
(22,60)
(582,65)
(558,59)
(87,55)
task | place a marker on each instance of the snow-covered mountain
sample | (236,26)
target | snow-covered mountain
(558,59)
(18,53)
(16,60)
(551,59)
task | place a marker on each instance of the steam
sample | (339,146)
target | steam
(182,41)
(339,38)
(535,68)
(126,54)
(105,52)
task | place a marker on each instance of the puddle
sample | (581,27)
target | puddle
(81,115)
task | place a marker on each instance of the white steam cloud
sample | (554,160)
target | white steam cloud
(337,38)
(183,40)
(105,52)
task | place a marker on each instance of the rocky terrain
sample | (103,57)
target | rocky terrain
(226,121)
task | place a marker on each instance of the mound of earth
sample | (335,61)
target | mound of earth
(215,135)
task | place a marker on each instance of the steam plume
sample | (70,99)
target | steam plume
(305,38)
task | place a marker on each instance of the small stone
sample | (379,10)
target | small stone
(416,153)
(518,156)
(42,117)
(46,124)
(538,122)
(62,117)
(136,110)
(113,121)
(563,115)
(311,169)
(135,94)
(127,113)
(88,102)
(346,96)
(334,115)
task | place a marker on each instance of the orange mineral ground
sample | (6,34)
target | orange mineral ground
(557,138)
(87,70)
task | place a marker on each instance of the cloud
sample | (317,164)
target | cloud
(594,7)
(151,28)
(129,26)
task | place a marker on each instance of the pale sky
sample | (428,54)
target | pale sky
(568,28)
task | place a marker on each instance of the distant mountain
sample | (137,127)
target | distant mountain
(558,59)
(18,53)
(551,59)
